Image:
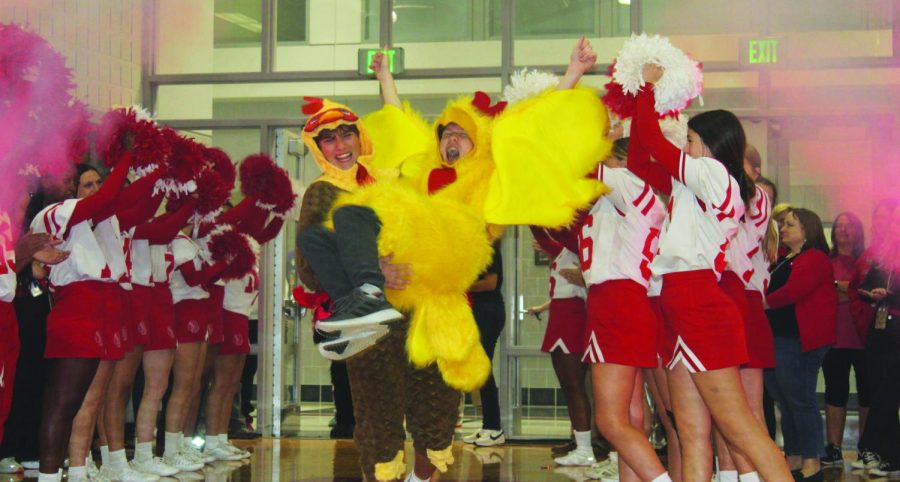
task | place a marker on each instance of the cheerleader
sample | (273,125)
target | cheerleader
(564,341)
(702,216)
(84,326)
(618,243)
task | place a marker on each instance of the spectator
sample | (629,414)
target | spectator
(802,302)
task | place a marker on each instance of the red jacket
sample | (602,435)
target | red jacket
(810,288)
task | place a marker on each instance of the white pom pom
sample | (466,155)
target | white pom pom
(525,83)
(142,114)
(681,82)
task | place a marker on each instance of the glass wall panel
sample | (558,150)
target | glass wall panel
(823,15)
(323,35)
(698,17)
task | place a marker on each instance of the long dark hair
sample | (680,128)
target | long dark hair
(722,132)
(764,181)
(812,226)
(80,169)
(858,244)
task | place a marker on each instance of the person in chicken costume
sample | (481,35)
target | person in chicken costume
(439,217)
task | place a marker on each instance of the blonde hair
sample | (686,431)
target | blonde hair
(770,244)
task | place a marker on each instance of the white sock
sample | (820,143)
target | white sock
(42,477)
(89,459)
(117,459)
(75,473)
(749,477)
(583,441)
(614,456)
(143,450)
(728,476)
(413,478)
(223,439)
(104,454)
(173,444)
(212,442)
(663,477)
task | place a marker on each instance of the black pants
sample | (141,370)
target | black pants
(490,317)
(836,369)
(21,428)
(882,431)
(347,257)
(343,401)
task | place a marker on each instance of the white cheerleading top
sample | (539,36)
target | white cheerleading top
(184,250)
(560,287)
(619,238)
(8,261)
(703,215)
(748,240)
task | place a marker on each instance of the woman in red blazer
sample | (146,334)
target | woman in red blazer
(802,309)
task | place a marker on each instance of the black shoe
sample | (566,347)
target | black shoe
(359,310)
(564,448)
(833,456)
(886,469)
(797,475)
(816,477)
(342,431)
(243,434)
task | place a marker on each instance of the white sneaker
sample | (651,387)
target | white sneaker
(92,471)
(31,464)
(236,450)
(607,470)
(489,438)
(98,477)
(154,465)
(577,457)
(182,462)
(221,453)
(10,466)
(126,474)
(867,460)
(196,454)
(471,438)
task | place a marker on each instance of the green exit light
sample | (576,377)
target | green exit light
(395,60)
(762,51)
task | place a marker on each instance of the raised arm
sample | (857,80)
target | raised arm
(131,215)
(163,229)
(582,59)
(381,66)
(92,205)
(646,122)
(205,276)
(640,164)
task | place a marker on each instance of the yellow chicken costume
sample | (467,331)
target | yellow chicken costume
(528,165)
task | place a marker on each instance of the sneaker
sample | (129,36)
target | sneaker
(833,456)
(564,448)
(236,450)
(885,469)
(489,438)
(346,345)
(194,453)
(126,474)
(10,466)
(221,453)
(154,465)
(93,471)
(607,470)
(31,464)
(578,458)
(182,462)
(867,460)
(362,309)
(470,439)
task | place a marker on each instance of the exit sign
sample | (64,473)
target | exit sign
(394,56)
(762,51)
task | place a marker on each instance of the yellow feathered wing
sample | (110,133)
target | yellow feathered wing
(543,149)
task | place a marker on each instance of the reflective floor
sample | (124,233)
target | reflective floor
(325,460)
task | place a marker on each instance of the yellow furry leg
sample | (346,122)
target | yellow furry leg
(393,470)
(441,458)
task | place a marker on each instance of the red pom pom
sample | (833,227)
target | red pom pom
(212,192)
(313,105)
(256,175)
(218,160)
(233,249)
(115,134)
(186,160)
(283,194)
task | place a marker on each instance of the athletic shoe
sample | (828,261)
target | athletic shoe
(489,438)
(31,464)
(607,470)
(578,458)
(126,474)
(362,309)
(221,453)
(10,466)
(236,450)
(182,462)
(470,439)
(196,454)
(154,465)
(92,470)
(188,476)
(350,343)
(867,460)
(833,456)
(885,469)
(564,448)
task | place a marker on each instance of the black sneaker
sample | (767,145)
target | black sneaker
(833,456)
(564,448)
(885,469)
(360,310)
